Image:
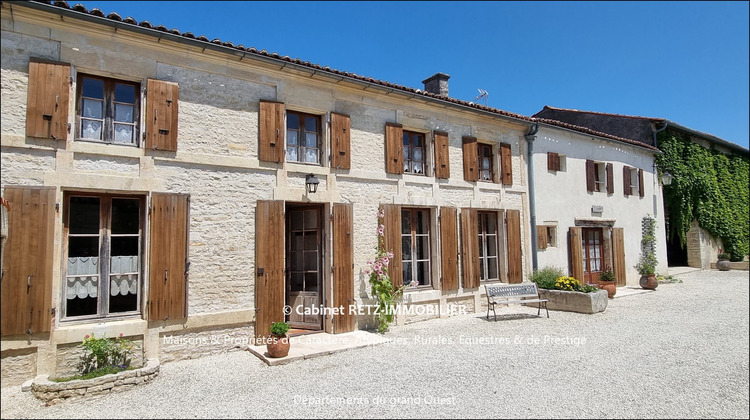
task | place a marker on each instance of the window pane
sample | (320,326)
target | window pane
(492,246)
(406,273)
(92,108)
(83,266)
(407,140)
(491,223)
(422,221)
(492,268)
(406,154)
(311,241)
(291,137)
(295,261)
(291,154)
(292,121)
(481,247)
(311,219)
(123,264)
(124,93)
(423,247)
(296,218)
(311,124)
(418,154)
(406,248)
(124,245)
(296,282)
(91,129)
(311,140)
(406,221)
(423,274)
(311,282)
(297,241)
(124,113)
(417,140)
(83,246)
(311,261)
(311,155)
(125,215)
(84,215)
(123,133)
(485,163)
(120,302)
(481,270)
(93,88)
(418,168)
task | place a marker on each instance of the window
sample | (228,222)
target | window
(103,268)
(415,247)
(414,153)
(634,186)
(600,177)
(488,270)
(302,138)
(551,235)
(485,162)
(108,110)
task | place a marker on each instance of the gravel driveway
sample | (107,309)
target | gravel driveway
(681,351)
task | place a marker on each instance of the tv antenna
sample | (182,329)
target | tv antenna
(483,96)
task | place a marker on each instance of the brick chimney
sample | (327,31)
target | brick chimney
(437,84)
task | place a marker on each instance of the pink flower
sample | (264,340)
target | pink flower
(385,261)
(120,335)
(87,336)
(381,229)
(390,255)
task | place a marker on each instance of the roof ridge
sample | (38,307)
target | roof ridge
(602,113)
(594,132)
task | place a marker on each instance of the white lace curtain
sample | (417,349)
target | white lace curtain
(83,276)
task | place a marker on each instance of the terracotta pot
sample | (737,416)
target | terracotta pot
(723,265)
(610,287)
(649,281)
(278,346)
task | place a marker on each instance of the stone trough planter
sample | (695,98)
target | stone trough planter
(52,392)
(585,303)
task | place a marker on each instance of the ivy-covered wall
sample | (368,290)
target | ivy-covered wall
(709,186)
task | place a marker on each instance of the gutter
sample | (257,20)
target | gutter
(530,136)
(204,45)
(666,124)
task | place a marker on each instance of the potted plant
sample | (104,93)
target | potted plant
(278,341)
(647,269)
(607,282)
(723,263)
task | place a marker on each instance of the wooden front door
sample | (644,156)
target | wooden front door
(303,266)
(592,254)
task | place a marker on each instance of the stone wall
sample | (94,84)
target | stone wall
(18,365)
(194,344)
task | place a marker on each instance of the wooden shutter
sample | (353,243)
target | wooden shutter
(340,141)
(392,242)
(442,155)
(394,144)
(590,176)
(168,256)
(269,266)
(162,100)
(626,180)
(343,266)
(47,100)
(575,245)
(26,297)
(541,237)
(553,161)
(469,248)
(515,261)
(271,132)
(641,191)
(449,248)
(471,171)
(506,164)
(610,179)
(618,256)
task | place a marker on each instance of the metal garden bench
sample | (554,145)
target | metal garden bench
(506,294)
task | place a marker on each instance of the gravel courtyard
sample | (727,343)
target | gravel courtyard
(681,351)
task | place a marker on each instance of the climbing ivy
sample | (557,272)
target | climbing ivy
(709,186)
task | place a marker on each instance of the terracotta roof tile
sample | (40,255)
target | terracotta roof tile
(593,132)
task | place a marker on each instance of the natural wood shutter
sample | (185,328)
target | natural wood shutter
(641,191)
(394,143)
(392,242)
(575,244)
(343,266)
(340,141)
(168,269)
(271,132)
(269,266)
(469,248)
(26,296)
(47,100)
(442,155)
(449,248)
(590,176)
(515,261)
(553,161)
(506,164)
(541,237)
(471,171)
(162,99)
(610,179)
(626,180)
(618,254)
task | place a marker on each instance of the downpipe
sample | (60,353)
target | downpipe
(530,136)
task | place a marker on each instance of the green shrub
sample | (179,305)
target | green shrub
(545,278)
(100,353)
(279,328)
(607,275)
(723,256)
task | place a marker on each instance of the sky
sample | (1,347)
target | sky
(683,61)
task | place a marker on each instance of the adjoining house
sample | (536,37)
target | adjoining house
(700,248)
(591,191)
(181,191)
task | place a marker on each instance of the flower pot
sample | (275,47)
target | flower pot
(610,287)
(277,346)
(723,265)
(648,281)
